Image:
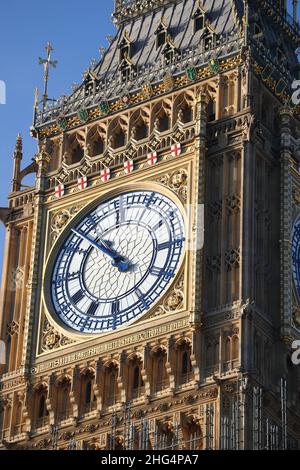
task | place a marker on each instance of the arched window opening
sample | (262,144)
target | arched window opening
(161,38)
(88,392)
(227,349)
(136,377)
(97,147)
(137,383)
(64,404)
(199,22)
(111,396)
(141,131)
(118,138)
(185,114)
(211,111)
(42,411)
(192,433)
(160,379)
(77,154)
(162,123)
(18,419)
(184,364)
(235,348)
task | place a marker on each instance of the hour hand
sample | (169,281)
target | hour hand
(118,261)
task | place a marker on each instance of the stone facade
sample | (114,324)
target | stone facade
(208,367)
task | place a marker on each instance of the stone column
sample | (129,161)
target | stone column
(286,222)
(35,274)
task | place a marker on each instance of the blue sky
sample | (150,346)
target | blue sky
(76,29)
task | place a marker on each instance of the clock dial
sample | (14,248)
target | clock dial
(296,255)
(117,261)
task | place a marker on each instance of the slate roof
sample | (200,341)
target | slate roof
(221,14)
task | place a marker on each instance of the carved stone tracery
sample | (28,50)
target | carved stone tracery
(52,339)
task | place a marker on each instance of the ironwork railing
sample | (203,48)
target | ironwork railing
(112,86)
(285,16)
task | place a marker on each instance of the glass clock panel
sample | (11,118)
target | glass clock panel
(296,255)
(117,261)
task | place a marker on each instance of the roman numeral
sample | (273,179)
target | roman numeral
(167,245)
(150,200)
(115,311)
(158,226)
(164,246)
(77,297)
(120,211)
(92,309)
(92,220)
(72,248)
(115,308)
(161,272)
(146,303)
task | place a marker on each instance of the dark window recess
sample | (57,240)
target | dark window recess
(164,123)
(77,154)
(124,52)
(186,115)
(42,407)
(136,377)
(88,392)
(161,38)
(184,365)
(211,111)
(119,139)
(98,147)
(141,131)
(199,23)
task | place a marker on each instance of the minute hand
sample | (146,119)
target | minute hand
(118,261)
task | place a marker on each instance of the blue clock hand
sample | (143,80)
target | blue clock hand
(117,262)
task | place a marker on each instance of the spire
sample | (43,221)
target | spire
(47,63)
(295,8)
(18,155)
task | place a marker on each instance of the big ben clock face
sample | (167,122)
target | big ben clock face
(296,255)
(117,261)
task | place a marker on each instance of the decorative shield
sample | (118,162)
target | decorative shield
(83,115)
(267,72)
(62,123)
(191,73)
(214,66)
(104,107)
(168,82)
(280,87)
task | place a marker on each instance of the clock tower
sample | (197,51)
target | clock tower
(150,292)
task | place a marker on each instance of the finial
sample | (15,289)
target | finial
(295,8)
(18,155)
(35,108)
(47,63)
(18,147)
(102,51)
